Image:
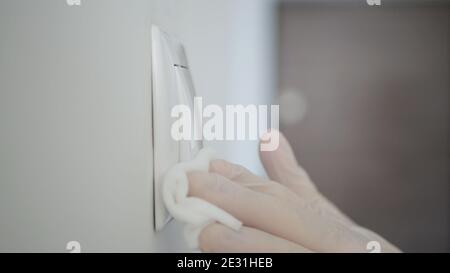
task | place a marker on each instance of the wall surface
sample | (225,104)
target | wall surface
(75,112)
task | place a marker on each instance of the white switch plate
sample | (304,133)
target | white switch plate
(171,85)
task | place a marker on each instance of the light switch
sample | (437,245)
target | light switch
(171,85)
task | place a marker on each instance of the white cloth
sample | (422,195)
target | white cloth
(196,213)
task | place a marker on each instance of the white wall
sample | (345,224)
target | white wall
(75,123)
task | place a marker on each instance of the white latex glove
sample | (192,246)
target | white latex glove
(284,214)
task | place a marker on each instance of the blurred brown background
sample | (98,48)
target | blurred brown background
(373,83)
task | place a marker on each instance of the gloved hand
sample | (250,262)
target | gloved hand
(283,214)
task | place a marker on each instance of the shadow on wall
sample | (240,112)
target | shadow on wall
(374,87)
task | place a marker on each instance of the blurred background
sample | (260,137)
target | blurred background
(365,103)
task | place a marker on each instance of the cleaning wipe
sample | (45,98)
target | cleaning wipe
(196,213)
